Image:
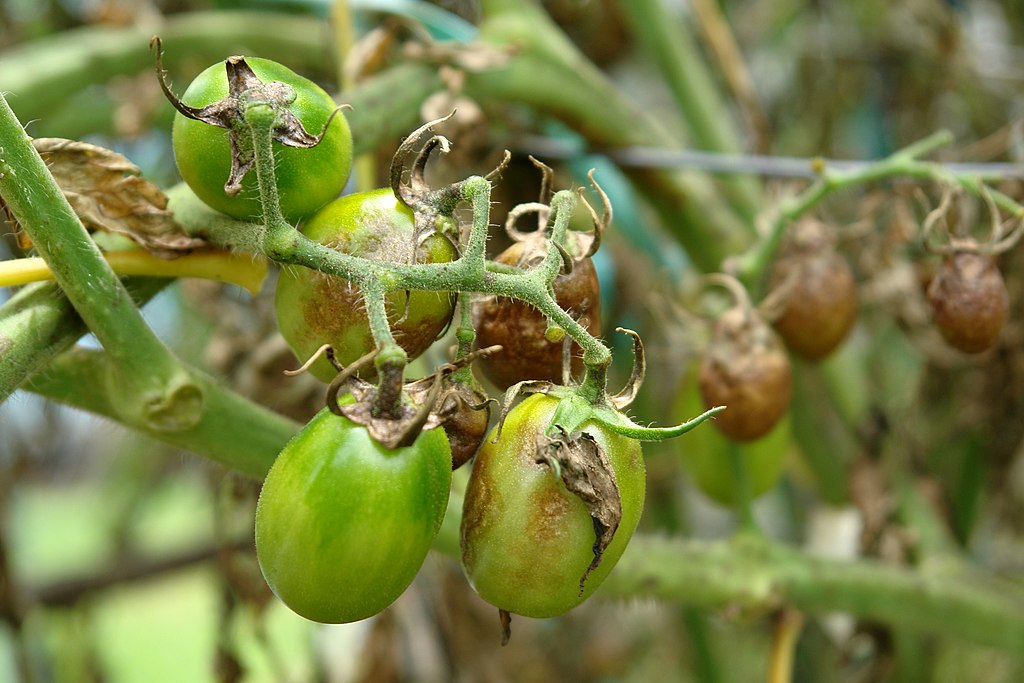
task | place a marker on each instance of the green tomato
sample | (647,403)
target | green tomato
(526,539)
(704,453)
(306,178)
(344,524)
(315,309)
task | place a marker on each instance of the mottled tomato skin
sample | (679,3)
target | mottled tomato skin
(526,540)
(821,307)
(969,301)
(747,370)
(315,309)
(343,524)
(519,328)
(306,178)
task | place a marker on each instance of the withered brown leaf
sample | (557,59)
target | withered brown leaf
(109,194)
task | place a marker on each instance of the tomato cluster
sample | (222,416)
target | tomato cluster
(351,506)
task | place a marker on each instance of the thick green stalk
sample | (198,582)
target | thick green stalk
(230,430)
(153,385)
(38,324)
(755,576)
(685,72)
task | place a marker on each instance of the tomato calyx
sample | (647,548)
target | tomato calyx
(396,418)
(433,209)
(245,90)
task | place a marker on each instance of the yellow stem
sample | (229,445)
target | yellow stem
(788,625)
(244,270)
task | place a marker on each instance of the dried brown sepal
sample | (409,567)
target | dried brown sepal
(244,88)
(410,154)
(425,404)
(108,194)
(628,393)
(584,468)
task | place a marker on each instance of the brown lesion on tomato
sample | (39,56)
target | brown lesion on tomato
(583,466)
(483,500)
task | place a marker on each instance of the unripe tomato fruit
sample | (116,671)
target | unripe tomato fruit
(527,540)
(344,524)
(306,178)
(315,309)
(969,300)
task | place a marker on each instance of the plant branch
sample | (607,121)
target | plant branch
(156,388)
(38,324)
(752,266)
(230,430)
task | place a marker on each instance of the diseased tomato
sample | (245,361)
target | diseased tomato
(747,370)
(314,309)
(969,300)
(527,541)
(344,524)
(821,302)
(705,454)
(306,178)
(519,328)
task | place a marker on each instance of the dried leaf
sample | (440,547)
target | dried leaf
(108,193)
(587,473)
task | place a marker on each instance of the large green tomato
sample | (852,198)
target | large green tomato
(343,524)
(315,309)
(306,178)
(526,539)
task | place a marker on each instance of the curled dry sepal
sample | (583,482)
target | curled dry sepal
(108,194)
(244,88)
(437,400)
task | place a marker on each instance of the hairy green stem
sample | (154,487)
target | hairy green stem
(155,387)
(751,574)
(753,266)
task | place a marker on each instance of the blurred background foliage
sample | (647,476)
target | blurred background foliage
(125,560)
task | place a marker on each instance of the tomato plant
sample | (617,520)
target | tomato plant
(306,178)
(343,524)
(527,541)
(315,309)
